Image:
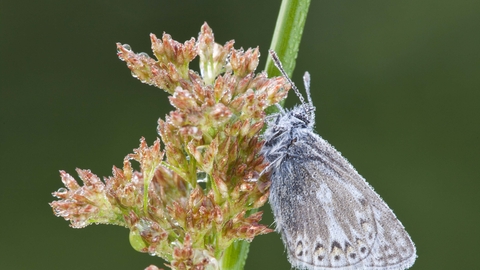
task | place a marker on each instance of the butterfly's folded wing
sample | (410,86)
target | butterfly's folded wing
(341,221)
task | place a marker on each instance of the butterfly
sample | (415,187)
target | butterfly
(329,217)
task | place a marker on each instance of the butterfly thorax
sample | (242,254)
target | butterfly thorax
(283,129)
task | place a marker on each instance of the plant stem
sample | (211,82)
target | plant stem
(285,42)
(235,256)
(287,35)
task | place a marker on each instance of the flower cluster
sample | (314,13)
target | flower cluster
(193,199)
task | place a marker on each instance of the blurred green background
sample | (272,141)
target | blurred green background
(396,85)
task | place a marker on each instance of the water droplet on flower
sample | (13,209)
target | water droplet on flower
(127,47)
(136,240)
(62,190)
(144,54)
(201,177)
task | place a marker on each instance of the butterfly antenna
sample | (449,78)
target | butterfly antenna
(306,82)
(278,64)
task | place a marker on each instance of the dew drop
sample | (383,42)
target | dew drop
(127,47)
(201,177)
(136,240)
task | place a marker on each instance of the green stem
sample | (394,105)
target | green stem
(235,256)
(287,35)
(285,42)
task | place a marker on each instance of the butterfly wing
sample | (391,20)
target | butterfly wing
(328,215)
